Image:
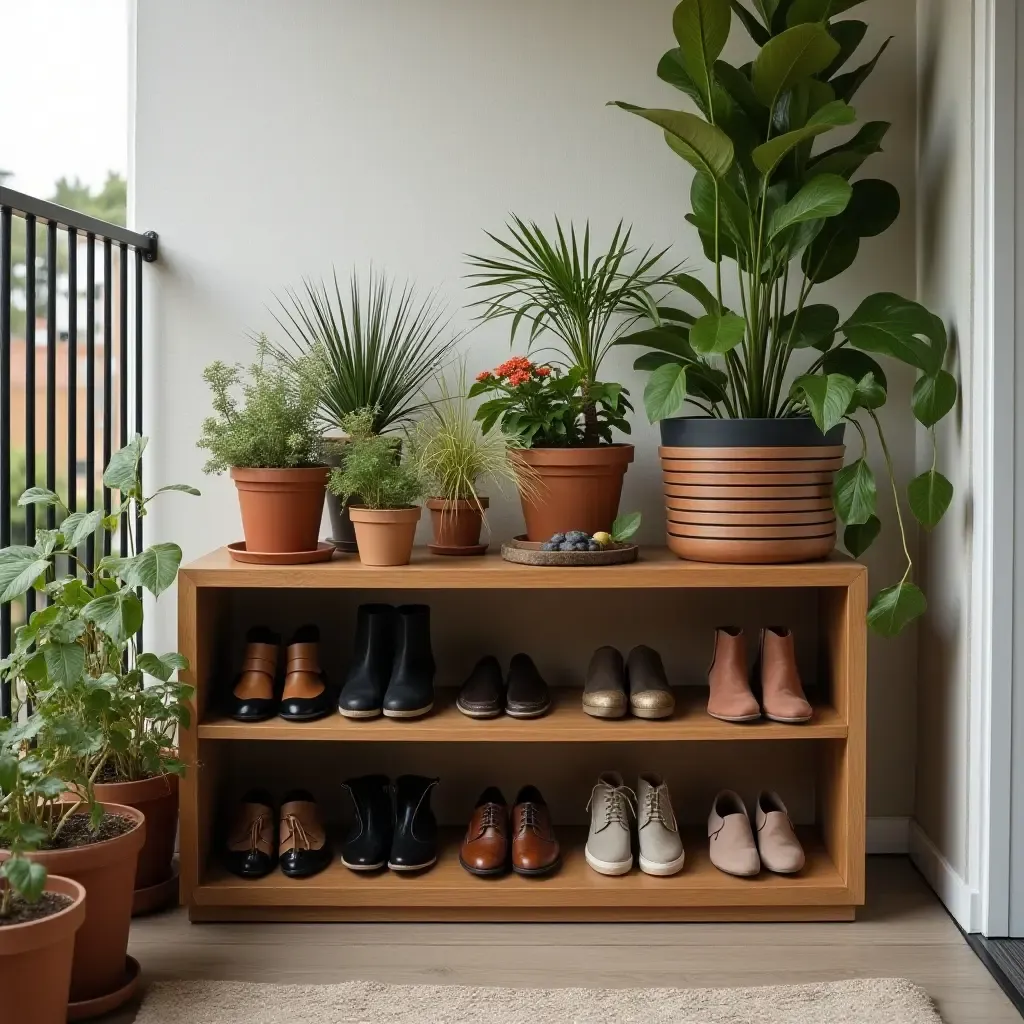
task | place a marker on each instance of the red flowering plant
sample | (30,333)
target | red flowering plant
(543,406)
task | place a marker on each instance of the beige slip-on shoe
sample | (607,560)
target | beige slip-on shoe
(780,849)
(730,698)
(730,838)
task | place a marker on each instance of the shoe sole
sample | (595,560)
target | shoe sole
(483,872)
(609,867)
(537,872)
(744,718)
(256,718)
(789,721)
(478,714)
(363,867)
(405,868)
(309,717)
(739,874)
(408,714)
(653,867)
(604,712)
(359,714)
(653,712)
(528,714)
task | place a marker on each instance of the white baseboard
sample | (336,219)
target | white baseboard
(960,899)
(888,835)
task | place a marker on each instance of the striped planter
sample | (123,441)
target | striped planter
(750,504)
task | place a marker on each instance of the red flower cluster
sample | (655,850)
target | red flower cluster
(515,371)
(484,375)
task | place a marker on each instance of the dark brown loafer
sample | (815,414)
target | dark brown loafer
(535,849)
(650,696)
(483,693)
(484,850)
(527,694)
(604,692)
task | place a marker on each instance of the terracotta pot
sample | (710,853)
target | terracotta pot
(35,960)
(157,798)
(749,491)
(576,488)
(281,508)
(107,872)
(385,535)
(457,522)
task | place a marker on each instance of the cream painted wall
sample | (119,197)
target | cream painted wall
(945,229)
(272,140)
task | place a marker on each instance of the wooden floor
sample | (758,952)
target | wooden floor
(902,932)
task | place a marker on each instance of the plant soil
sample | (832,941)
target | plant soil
(110,774)
(77,832)
(22,912)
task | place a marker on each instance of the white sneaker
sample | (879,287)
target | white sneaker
(661,848)
(609,849)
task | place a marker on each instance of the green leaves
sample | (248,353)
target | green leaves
(827,397)
(854,493)
(766,157)
(162,666)
(858,537)
(155,568)
(184,488)
(786,59)
(716,334)
(706,147)
(26,877)
(39,496)
(79,525)
(929,495)
(933,397)
(701,28)
(814,328)
(847,158)
(894,607)
(898,328)
(625,526)
(122,472)
(826,195)
(846,85)
(65,663)
(700,291)
(665,392)
(20,568)
(119,615)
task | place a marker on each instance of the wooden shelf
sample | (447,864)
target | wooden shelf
(566,722)
(447,891)
(656,567)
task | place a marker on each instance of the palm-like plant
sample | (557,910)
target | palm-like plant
(556,286)
(380,347)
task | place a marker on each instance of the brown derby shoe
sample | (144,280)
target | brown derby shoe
(535,849)
(484,849)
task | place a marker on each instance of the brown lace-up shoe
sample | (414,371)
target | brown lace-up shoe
(484,850)
(535,849)
(304,850)
(251,850)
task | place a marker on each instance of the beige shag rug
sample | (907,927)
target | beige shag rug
(869,1001)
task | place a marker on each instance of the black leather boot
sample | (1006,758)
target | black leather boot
(369,840)
(415,844)
(410,692)
(372,658)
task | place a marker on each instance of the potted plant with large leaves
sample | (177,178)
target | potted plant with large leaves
(378,348)
(772,377)
(272,445)
(580,302)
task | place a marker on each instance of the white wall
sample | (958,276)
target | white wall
(273,140)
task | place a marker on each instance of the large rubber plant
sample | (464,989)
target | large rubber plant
(778,213)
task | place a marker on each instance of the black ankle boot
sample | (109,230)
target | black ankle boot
(369,840)
(410,692)
(415,844)
(372,658)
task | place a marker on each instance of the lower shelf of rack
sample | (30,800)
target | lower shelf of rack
(575,892)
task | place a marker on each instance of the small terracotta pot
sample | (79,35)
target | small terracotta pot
(157,798)
(35,960)
(107,872)
(385,535)
(281,508)
(457,522)
(576,488)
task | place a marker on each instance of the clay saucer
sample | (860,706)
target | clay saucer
(456,549)
(89,1008)
(530,552)
(156,897)
(322,553)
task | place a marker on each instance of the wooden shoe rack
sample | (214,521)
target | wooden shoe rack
(218,598)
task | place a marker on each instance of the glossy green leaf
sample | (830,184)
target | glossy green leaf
(754,28)
(697,289)
(854,364)
(824,196)
(847,85)
(8,772)
(715,334)
(786,59)
(766,157)
(665,393)
(625,526)
(155,568)
(64,663)
(895,607)
(830,254)
(933,397)
(899,328)
(80,525)
(701,28)
(849,35)
(39,496)
(667,339)
(162,666)
(827,397)
(122,471)
(27,878)
(854,493)
(870,393)
(814,328)
(733,215)
(706,147)
(874,206)
(20,567)
(929,495)
(846,159)
(119,615)
(184,488)
(858,537)
(650,361)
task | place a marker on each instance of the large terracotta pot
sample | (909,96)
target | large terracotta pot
(575,488)
(157,798)
(457,524)
(749,491)
(35,960)
(385,535)
(107,872)
(281,508)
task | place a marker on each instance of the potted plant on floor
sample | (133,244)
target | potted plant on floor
(272,445)
(376,469)
(379,348)
(776,377)
(76,663)
(452,455)
(581,304)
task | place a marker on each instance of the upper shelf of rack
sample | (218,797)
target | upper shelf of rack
(656,567)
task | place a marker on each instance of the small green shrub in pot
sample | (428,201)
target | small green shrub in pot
(777,213)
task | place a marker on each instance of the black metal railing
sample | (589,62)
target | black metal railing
(41,290)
